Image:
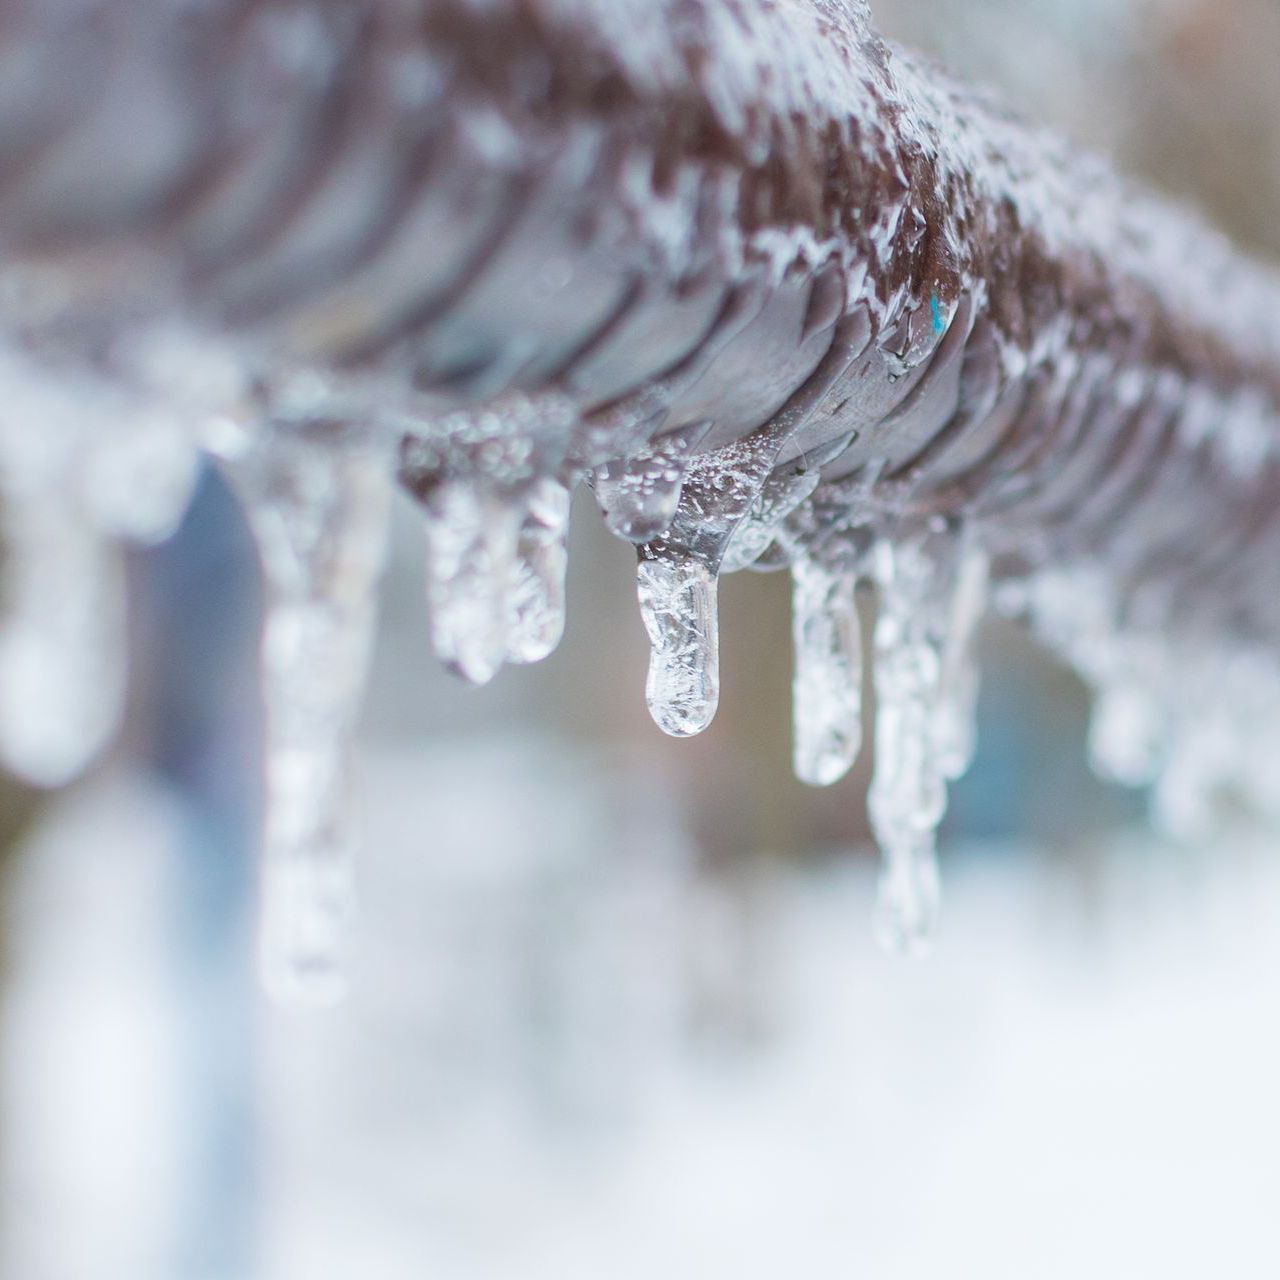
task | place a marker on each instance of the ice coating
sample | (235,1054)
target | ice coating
(62,638)
(318,511)
(638,495)
(827,687)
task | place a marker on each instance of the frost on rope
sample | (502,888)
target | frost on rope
(318,509)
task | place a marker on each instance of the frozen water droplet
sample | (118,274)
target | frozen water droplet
(536,596)
(638,495)
(827,688)
(62,638)
(472,540)
(678,604)
(319,513)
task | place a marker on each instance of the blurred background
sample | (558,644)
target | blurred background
(615,1008)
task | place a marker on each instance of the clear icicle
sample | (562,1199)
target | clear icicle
(472,541)
(536,595)
(678,603)
(638,496)
(827,688)
(62,638)
(320,515)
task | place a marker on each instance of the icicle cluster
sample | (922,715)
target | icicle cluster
(494,490)
(830,313)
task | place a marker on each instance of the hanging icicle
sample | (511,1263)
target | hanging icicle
(932,589)
(318,509)
(536,593)
(827,688)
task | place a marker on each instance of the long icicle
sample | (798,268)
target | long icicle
(319,513)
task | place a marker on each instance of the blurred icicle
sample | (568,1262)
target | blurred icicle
(62,637)
(473,537)
(536,593)
(827,688)
(955,720)
(319,510)
(932,592)
(141,475)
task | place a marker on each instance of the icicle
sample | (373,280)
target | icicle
(678,603)
(925,687)
(472,541)
(536,597)
(908,793)
(678,575)
(827,688)
(1126,733)
(62,637)
(140,475)
(319,512)
(955,729)
(638,496)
